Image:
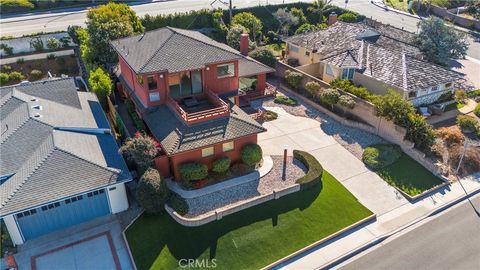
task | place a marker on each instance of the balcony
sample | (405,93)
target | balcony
(198,108)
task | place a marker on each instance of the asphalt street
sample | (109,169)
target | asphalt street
(450,240)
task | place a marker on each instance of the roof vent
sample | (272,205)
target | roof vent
(37,115)
(37,107)
(33,99)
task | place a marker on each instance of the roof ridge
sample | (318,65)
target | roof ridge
(157,50)
(244,121)
(21,125)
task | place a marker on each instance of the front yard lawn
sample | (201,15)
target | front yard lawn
(252,238)
(454,106)
(409,176)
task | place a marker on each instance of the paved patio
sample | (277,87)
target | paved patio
(93,245)
(294,132)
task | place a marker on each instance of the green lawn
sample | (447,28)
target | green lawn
(249,239)
(409,176)
(454,106)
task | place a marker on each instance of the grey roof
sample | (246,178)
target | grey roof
(175,136)
(173,49)
(47,148)
(342,36)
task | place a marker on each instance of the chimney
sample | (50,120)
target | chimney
(244,44)
(332,18)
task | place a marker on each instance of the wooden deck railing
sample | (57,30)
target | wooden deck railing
(220,109)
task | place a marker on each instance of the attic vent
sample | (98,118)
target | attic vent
(37,115)
(33,99)
(37,107)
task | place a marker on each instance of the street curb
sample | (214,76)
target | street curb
(396,10)
(303,250)
(382,238)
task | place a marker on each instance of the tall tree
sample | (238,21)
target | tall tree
(439,42)
(319,8)
(109,22)
(286,19)
(250,22)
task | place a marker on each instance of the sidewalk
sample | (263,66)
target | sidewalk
(386,224)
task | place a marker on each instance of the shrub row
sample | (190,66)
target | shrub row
(11,78)
(315,170)
(349,87)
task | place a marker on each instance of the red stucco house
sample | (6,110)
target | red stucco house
(186,88)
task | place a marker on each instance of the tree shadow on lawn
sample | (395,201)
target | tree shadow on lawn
(191,242)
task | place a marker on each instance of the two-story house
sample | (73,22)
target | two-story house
(373,55)
(186,88)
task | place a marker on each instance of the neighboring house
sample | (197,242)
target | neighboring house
(186,88)
(373,55)
(59,164)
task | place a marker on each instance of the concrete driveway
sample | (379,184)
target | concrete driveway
(294,132)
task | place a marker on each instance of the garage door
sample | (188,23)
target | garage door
(63,214)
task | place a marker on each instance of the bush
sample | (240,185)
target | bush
(349,87)
(193,171)
(264,55)
(16,76)
(348,17)
(292,62)
(293,78)
(306,28)
(20,61)
(285,100)
(329,97)
(177,203)
(315,170)
(4,78)
(312,88)
(50,56)
(137,121)
(141,150)
(460,96)
(221,165)
(6,68)
(251,154)
(65,41)
(7,49)
(37,44)
(53,43)
(36,74)
(250,22)
(101,84)
(474,93)
(347,101)
(273,37)
(476,111)
(467,123)
(451,135)
(152,192)
(270,115)
(379,156)
(11,6)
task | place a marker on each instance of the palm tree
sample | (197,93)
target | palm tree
(320,7)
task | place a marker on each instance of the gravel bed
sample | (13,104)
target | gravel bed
(238,194)
(353,139)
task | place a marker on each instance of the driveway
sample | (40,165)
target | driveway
(295,132)
(93,245)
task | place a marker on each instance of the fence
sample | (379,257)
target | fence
(119,130)
(456,19)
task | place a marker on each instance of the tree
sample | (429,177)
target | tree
(109,22)
(318,9)
(250,22)
(141,150)
(152,191)
(347,102)
(264,55)
(37,44)
(72,33)
(306,28)
(101,84)
(53,43)
(298,12)
(330,96)
(293,78)
(460,96)
(233,37)
(439,42)
(312,88)
(286,19)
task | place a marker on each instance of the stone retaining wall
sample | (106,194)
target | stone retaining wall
(22,44)
(459,20)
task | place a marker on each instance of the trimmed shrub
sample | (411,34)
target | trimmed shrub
(36,74)
(381,155)
(177,203)
(476,111)
(7,49)
(251,154)
(50,56)
(293,78)
(474,93)
(315,170)
(16,76)
(312,88)
(20,60)
(348,17)
(349,87)
(37,44)
(11,6)
(451,135)
(270,115)
(467,123)
(141,150)
(53,43)
(221,165)
(152,192)
(329,97)
(460,96)
(4,78)
(285,100)
(193,171)
(264,55)
(292,62)
(346,101)
(6,68)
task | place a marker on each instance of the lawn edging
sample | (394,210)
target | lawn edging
(425,193)
(353,226)
(124,236)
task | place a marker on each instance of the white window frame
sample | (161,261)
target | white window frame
(208,151)
(228,146)
(293,48)
(349,72)
(329,71)
(229,74)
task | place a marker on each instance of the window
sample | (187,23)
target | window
(329,70)
(227,70)
(51,206)
(154,96)
(228,146)
(152,83)
(292,48)
(27,213)
(448,85)
(185,83)
(412,94)
(140,79)
(435,88)
(307,53)
(206,152)
(347,73)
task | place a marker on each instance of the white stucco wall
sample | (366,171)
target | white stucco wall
(13,230)
(117,198)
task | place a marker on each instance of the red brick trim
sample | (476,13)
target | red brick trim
(110,243)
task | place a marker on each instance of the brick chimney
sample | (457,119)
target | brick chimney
(332,18)
(244,44)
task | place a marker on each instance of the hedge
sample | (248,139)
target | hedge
(221,165)
(315,170)
(251,154)
(193,171)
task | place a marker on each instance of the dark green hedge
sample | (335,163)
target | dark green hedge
(315,170)
(221,165)
(193,171)
(251,154)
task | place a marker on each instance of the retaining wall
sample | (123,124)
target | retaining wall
(22,44)
(458,20)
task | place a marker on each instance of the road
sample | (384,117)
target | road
(450,240)
(61,19)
